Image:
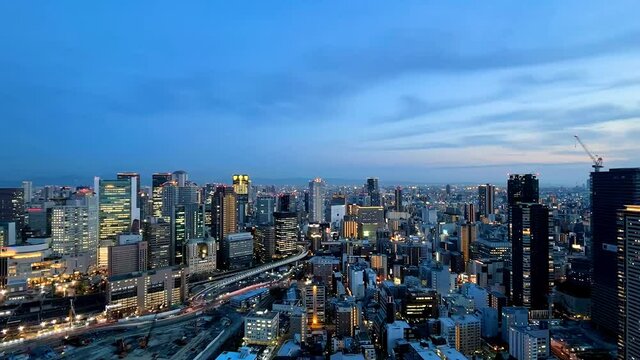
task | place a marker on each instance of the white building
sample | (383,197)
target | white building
(201,255)
(74,229)
(396,331)
(261,327)
(526,343)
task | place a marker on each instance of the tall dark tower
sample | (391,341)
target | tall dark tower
(522,189)
(373,190)
(486,195)
(398,194)
(531,235)
(610,192)
(157,180)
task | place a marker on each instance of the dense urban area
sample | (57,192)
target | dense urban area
(179,270)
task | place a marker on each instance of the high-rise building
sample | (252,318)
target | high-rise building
(469,213)
(316,200)
(12,207)
(346,318)
(237,251)
(522,189)
(187,222)
(74,229)
(27,189)
(486,194)
(223,212)
(266,236)
(265,205)
(373,191)
(467,237)
(242,187)
(628,282)
(314,298)
(531,235)
(529,343)
(286,202)
(370,218)
(610,191)
(398,198)
(157,180)
(463,332)
(157,234)
(181,177)
(201,255)
(286,232)
(117,210)
(127,258)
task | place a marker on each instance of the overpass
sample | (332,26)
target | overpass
(220,283)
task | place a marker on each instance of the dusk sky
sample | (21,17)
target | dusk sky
(406,91)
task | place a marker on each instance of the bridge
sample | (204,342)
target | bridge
(220,283)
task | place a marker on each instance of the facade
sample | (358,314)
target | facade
(127,258)
(347,318)
(12,207)
(314,299)
(265,205)
(398,199)
(610,192)
(522,189)
(420,305)
(462,332)
(261,328)
(316,200)
(237,251)
(201,255)
(141,292)
(157,233)
(370,219)
(373,191)
(223,212)
(187,222)
(242,187)
(286,232)
(74,229)
(532,276)
(117,210)
(157,180)
(526,343)
(266,236)
(486,195)
(628,284)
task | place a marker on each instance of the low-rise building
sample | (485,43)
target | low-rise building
(261,327)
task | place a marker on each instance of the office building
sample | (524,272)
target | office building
(237,251)
(74,229)
(529,343)
(286,232)
(316,200)
(181,177)
(522,189)
(531,235)
(187,222)
(420,305)
(467,237)
(513,316)
(27,191)
(462,332)
(117,211)
(629,282)
(347,318)
(141,292)
(486,195)
(350,227)
(12,208)
(242,187)
(266,236)
(370,219)
(398,199)
(157,234)
(373,192)
(127,257)
(611,191)
(201,255)
(223,212)
(286,202)
(157,181)
(261,328)
(265,205)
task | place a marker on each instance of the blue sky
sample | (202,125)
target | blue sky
(406,91)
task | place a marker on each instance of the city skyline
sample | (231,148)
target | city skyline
(414,93)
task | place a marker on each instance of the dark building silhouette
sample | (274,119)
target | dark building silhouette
(522,189)
(610,192)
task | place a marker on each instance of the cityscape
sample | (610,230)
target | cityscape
(335,181)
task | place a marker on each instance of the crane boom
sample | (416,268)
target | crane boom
(597,160)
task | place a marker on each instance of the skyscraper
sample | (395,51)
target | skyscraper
(242,186)
(531,235)
(187,222)
(27,188)
(522,188)
(116,212)
(223,212)
(398,196)
(628,282)
(316,200)
(286,202)
(610,191)
(157,234)
(265,205)
(486,194)
(74,228)
(373,190)
(286,232)
(12,207)
(158,179)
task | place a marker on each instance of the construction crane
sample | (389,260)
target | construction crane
(597,160)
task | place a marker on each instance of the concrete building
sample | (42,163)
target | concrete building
(261,328)
(237,251)
(286,232)
(527,343)
(74,229)
(141,292)
(628,282)
(314,299)
(317,200)
(462,332)
(201,255)
(127,258)
(513,316)
(157,233)
(395,332)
